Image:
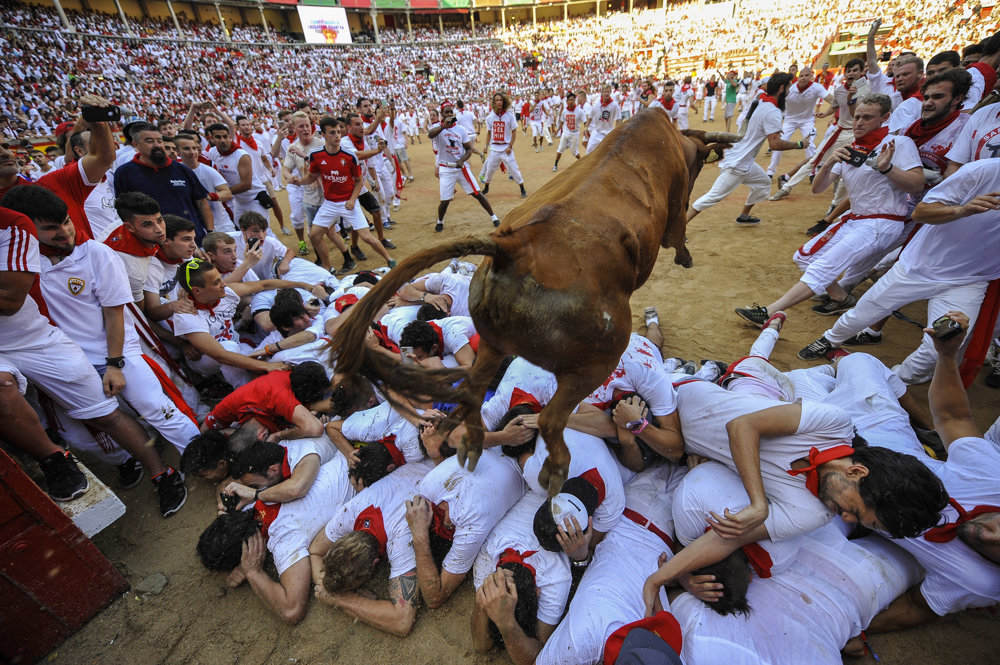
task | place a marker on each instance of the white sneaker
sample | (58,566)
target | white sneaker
(780,194)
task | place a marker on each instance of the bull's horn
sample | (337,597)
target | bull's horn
(712,137)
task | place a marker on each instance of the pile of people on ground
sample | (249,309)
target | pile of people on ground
(733,511)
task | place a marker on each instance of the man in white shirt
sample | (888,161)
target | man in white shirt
(236,543)
(454,148)
(213,182)
(880,171)
(738,166)
(502,127)
(949,262)
(236,166)
(570,121)
(800,114)
(604,117)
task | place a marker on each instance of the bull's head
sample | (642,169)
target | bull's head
(708,147)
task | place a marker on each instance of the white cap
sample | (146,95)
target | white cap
(565,506)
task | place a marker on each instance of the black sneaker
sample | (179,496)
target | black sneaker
(439,227)
(486,188)
(754,314)
(831,306)
(358,254)
(349,265)
(170,490)
(993,378)
(388,244)
(689,368)
(63,477)
(816,350)
(782,179)
(817,228)
(524,194)
(863,338)
(496,223)
(747,220)
(129,473)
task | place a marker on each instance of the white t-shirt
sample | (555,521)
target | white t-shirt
(75,290)
(467,119)
(801,105)
(552,573)
(380,421)
(573,120)
(957,577)
(904,115)
(388,496)
(456,286)
(211,179)
(27,328)
(603,117)
(228,166)
(456,331)
(766,120)
(980,139)
(963,251)
(520,374)
(450,143)
(289,536)
(501,127)
(161,279)
(396,319)
(100,209)
(272,252)
(640,370)
(217,321)
(705,409)
(476,502)
(590,458)
(873,193)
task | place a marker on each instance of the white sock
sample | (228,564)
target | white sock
(873,333)
(494,217)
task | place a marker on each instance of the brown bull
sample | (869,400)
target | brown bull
(556,282)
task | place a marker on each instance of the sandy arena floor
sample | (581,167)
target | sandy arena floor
(198,620)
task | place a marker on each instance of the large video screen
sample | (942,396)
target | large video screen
(324,25)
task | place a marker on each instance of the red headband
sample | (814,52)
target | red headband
(510,555)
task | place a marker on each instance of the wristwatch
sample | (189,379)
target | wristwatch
(636,426)
(118,361)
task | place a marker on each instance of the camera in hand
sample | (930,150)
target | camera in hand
(450,122)
(253,242)
(945,328)
(101,113)
(857,157)
(229,501)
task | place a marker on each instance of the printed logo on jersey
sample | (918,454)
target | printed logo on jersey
(75,285)
(988,148)
(570,122)
(499,131)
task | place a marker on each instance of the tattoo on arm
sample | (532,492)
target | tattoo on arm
(405,590)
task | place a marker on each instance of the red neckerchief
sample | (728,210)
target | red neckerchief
(818,458)
(921,133)
(603,103)
(370,521)
(518,397)
(233,147)
(769,98)
(49,250)
(359,144)
(124,241)
(799,86)
(156,169)
(382,334)
(685,87)
(510,555)
(869,141)
(345,301)
(207,308)
(758,558)
(172,262)
(265,514)
(437,523)
(390,444)
(593,476)
(250,142)
(440,336)
(947,532)
(989,75)
(914,93)
(667,104)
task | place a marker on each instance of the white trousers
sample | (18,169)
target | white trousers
(896,289)
(498,154)
(857,245)
(729,180)
(709,109)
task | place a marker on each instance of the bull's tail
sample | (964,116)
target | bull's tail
(348,345)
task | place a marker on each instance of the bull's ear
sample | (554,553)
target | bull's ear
(712,157)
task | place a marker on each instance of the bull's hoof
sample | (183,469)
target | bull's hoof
(552,478)
(469,453)
(684,260)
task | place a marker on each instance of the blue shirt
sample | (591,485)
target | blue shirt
(174,186)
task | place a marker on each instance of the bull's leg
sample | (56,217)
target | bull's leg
(488,361)
(573,388)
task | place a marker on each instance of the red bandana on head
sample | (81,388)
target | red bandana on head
(440,337)
(518,397)
(124,241)
(390,444)
(818,458)
(370,521)
(510,555)
(869,141)
(947,532)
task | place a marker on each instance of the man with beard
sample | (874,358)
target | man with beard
(738,166)
(174,186)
